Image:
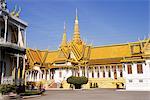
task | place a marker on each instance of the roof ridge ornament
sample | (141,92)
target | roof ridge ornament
(18,13)
(14,11)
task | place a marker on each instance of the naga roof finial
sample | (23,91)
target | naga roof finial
(18,13)
(14,11)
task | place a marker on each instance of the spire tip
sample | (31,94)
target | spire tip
(76,14)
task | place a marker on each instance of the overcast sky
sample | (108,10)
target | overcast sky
(102,22)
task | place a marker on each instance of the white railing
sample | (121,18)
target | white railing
(9,43)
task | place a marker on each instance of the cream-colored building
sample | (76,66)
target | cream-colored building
(111,66)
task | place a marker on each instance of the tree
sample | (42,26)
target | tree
(77,81)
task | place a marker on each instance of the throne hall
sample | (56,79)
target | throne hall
(124,65)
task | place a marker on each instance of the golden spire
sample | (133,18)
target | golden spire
(76,34)
(64,39)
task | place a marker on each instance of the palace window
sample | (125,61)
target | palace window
(139,69)
(129,69)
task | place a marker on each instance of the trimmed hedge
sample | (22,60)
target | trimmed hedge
(77,81)
(6,88)
(31,92)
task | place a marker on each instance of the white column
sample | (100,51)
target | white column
(85,71)
(106,72)
(16,74)
(2,72)
(35,76)
(118,72)
(18,35)
(25,39)
(48,76)
(23,71)
(27,76)
(112,72)
(38,76)
(80,71)
(31,75)
(123,70)
(45,74)
(134,69)
(6,21)
(101,72)
(30,78)
(90,72)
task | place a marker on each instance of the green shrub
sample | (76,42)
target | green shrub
(31,92)
(77,81)
(6,88)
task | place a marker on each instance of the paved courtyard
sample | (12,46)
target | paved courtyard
(97,94)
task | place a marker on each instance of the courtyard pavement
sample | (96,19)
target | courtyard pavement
(94,94)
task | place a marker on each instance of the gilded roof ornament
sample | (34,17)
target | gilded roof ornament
(14,11)
(76,34)
(64,39)
(18,13)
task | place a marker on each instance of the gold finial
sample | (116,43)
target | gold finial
(64,27)
(14,11)
(64,39)
(18,13)
(76,14)
(76,36)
